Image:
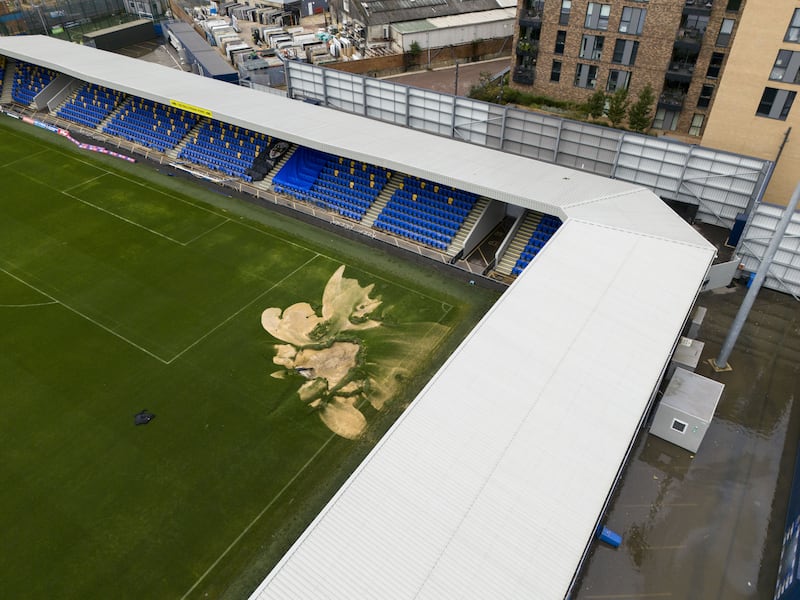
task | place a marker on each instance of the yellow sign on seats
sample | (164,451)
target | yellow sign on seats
(191,108)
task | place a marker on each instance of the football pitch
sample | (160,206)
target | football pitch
(273,355)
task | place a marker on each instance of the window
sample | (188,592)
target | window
(715,64)
(561,39)
(597,16)
(666,119)
(555,72)
(632,20)
(705,96)
(586,76)
(725,31)
(625,52)
(786,67)
(592,47)
(618,80)
(697,124)
(733,5)
(793,33)
(775,104)
(566,6)
(678,426)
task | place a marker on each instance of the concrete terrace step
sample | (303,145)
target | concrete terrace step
(517,245)
(466,227)
(380,201)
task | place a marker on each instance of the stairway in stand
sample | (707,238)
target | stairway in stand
(8,81)
(517,245)
(380,202)
(457,245)
(174,152)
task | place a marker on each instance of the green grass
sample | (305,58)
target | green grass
(122,289)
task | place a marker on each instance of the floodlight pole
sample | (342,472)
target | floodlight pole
(721,362)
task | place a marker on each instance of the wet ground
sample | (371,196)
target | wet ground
(710,525)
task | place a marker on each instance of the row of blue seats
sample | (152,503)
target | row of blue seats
(239,146)
(234,154)
(206,161)
(340,205)
(436,203)
(364,177)
(142,135)
(226,164)
(438,198)
(360,205)
(357,198)
(399,230)
(145,120)
(423,185)
(76,116)
(439,232)
(432,212)
(333,182)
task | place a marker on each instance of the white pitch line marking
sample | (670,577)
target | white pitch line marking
(87,317)
(213,329)
(257,517)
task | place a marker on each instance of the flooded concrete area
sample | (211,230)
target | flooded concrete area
(710,525)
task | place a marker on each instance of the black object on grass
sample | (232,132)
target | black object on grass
(143,418)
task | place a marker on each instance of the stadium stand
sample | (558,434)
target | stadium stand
(425,212)
(2,71)
(90,105)
(345,186)
(151,124)
(225,147)
(29,80)
(541,235)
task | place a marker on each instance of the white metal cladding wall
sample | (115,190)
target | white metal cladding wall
(531,134)
(721,184)
(784,274)
(588,147)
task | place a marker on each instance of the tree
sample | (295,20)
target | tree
(618,106)
(641,112)
(596,104)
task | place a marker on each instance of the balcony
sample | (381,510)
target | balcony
(530,17)
(524,75)
(680,71)
(697,7)
(672,100)
(526,48)
(689,39)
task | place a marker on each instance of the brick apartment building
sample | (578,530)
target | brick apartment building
(756,111)
(568,49)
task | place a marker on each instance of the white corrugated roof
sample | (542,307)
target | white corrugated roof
(491,483)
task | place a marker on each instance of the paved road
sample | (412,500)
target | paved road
(443,79)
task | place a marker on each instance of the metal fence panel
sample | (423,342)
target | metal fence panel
(588,147)
(531,134)
(386,101)
(784,274)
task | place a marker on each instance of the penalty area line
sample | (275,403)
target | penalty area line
(121,218)
(218,325)
(87,317)
(257,517)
